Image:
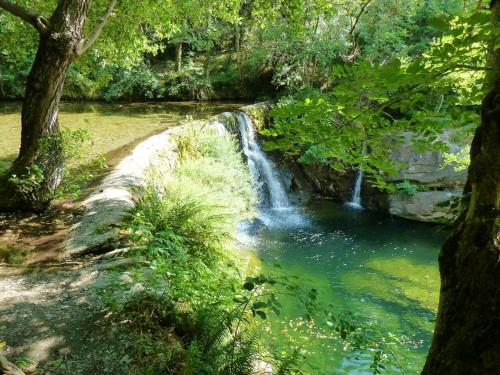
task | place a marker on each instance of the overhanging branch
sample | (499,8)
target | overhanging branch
(87,42)
(27,15)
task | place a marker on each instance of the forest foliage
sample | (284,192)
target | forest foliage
(349,76)
(234,47)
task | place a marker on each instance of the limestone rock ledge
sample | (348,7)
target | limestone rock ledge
(422,206)
(106,207)
(109,203)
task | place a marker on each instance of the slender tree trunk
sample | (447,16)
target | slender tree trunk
(208,65)
(178,56)
(56,51)
(237,42)
(467,334)
(2,90)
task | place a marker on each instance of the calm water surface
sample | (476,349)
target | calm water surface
(114,128)
(384,270)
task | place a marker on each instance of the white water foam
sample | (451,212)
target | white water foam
(275,209)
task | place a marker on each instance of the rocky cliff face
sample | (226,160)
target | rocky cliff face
(433,185)
(425,170)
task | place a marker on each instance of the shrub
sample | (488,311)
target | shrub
(79,167)
(188,83)
(183,224)
(135,82)
(409,188)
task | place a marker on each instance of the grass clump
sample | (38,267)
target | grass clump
(12,255)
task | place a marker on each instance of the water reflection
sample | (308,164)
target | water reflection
(382,269)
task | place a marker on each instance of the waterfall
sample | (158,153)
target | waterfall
(271,189)
(356,193)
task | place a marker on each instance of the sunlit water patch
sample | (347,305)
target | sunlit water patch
(115,128)
(381,269)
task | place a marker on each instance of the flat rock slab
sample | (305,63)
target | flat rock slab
(106,207)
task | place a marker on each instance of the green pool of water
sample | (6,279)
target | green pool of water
(381,269)
(115,127)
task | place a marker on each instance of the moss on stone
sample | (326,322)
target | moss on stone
(259,113)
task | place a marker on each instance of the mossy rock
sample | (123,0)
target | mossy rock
(259,113)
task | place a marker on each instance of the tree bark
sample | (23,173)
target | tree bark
(61,41)
(56,51)
(178,56)
(467,334)
(237,42)
(208,65)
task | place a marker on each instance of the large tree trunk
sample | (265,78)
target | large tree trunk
(41,148)
(467,334)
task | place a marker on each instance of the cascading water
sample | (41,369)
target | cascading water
(275,209)
(356,193)
(271,189)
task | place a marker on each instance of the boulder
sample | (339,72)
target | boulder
(427,168)
(422,206)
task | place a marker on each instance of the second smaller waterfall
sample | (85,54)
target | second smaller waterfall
(356,194)
(271,189)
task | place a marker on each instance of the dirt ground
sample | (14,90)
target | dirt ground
(51,318)
(52,322)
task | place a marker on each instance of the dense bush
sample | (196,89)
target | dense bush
(190,82)
(81,165)
(135,83)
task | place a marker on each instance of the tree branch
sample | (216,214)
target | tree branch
(471,67)
(27,15)
(86,43)
(358,16)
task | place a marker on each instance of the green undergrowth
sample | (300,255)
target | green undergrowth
(79,166)
(12,255)
(190,308)
(182,308)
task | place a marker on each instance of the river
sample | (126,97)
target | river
(114,127)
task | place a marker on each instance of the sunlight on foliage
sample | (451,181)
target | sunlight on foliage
(459,160)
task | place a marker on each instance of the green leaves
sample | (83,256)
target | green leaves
(372,103)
